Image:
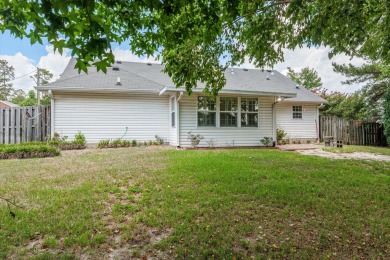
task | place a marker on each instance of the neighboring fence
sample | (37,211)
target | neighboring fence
(350,132)
(24,124)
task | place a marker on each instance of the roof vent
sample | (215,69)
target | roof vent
(268,77)
(269,70)
(232,71)
(115,68)
(149,64)
(272,73)
(118,83)
(119,61)
(297,86)
(245,69)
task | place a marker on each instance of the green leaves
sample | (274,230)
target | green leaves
(307,78)
(192,36)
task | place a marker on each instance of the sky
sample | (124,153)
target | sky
(25,58)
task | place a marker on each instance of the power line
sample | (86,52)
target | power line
(22,76)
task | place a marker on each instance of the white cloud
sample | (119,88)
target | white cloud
(54,62)
(317,58)
(22,65)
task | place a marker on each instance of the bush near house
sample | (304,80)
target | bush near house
(27,150)
(61,142)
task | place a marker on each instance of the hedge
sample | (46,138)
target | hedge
(27,150)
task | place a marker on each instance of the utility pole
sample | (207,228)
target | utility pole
(38,93)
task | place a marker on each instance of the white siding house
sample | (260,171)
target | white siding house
(136,101)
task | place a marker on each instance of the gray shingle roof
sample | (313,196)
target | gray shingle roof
(135,76)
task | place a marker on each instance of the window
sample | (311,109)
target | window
(173,112)
(207,110)
(228,111)
(249,112)
(297,111)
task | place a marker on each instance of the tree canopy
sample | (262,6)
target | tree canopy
(307,78)
(192,36)
(6,75)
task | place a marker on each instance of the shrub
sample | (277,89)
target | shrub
(114,143)
(267,141)
(280,135)
(159,140)
(78,143)
(134,143)
(195,139)
(103,144)
(28,150)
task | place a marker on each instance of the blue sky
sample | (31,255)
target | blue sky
(25,57)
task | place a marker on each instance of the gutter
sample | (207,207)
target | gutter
(238,92)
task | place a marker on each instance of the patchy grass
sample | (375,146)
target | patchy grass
(356,148)
(163,203)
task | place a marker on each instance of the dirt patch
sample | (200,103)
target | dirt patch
(355,155)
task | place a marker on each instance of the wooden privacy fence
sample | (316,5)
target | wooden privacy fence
(352,132)
(24,124)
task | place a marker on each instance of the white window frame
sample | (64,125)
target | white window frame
(237,112)
(211,111)
(297,112)
(250,112)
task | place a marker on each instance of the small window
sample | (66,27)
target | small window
(297,111)
(249,112)
(173,112)
(228,111)
(207,110)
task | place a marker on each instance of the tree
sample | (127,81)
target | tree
(386,116)
(190,37)
(372,74)
(307,78)
(31,99)
(6,75)
(44,76)
(18,96)
(351,106)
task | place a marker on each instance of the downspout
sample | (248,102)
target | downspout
(50,94)
(178,119)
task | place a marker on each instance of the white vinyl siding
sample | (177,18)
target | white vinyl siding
(106,116)
(225,136)
(297,128)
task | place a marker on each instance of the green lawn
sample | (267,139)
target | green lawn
(355,148)
(163,203)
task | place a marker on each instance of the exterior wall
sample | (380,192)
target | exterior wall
(225,136)
(302,128)
(106,116)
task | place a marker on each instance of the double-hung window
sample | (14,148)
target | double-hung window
(173,112)
(297,111)
(207,111)
(228,111)
(249,112)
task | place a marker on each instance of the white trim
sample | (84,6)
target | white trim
(235,92)
(52,111)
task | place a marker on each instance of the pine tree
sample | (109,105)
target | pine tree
(6,75)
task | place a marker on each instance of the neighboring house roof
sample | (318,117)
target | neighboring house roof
(143,77)
(9,104)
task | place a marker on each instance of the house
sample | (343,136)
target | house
(7,104)
(137,101)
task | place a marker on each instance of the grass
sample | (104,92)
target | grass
(163,203)
(355,148)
